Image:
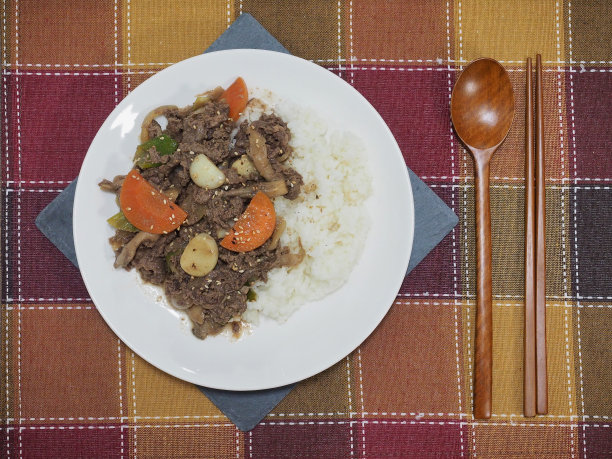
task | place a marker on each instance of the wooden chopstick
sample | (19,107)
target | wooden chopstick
(540,322)
(529,381)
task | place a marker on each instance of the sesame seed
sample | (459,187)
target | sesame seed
(128,208)
(165,201)
(151,227)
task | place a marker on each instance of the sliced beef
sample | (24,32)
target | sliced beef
(211,208)
(114,186)
(217,149)
(119,239)
(156,157)
(219,297)
(127,252)
(174,128)
(154,129)
(150,265)
(294,182)
(234,178)
(241,140)
(221,213)
(277,136)
(174,170)
(201,124)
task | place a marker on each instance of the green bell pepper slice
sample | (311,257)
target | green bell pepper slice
(164,144)
(119,222)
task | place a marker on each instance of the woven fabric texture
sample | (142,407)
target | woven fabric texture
(70,388)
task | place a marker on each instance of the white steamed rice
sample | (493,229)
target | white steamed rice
(329,219)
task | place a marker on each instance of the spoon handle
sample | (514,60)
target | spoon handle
(484,326)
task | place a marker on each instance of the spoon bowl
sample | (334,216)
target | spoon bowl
(482,104)
(482,110)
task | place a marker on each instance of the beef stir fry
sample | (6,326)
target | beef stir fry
(197,214)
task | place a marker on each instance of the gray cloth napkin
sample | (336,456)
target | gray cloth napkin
(433,221)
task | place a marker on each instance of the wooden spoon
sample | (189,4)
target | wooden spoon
(482,110)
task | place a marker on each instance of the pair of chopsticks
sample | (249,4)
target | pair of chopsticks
(535,382)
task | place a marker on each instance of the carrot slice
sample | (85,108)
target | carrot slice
(148,209)
(237,96)
(254,226)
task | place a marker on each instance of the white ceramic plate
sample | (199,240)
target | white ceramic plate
(320,333)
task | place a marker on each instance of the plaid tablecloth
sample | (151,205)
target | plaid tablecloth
(70,388)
